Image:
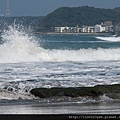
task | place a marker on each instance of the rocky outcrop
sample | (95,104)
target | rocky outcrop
(110,90)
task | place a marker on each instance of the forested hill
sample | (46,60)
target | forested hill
(85,15)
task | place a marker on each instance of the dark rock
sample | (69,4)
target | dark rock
(76,91)
(113,95)
(10,89)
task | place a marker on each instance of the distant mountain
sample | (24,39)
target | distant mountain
(85,15)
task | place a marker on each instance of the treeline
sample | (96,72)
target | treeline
(85,15)
(70,16)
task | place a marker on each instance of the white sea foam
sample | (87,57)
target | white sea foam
(105,98)
(16,80)
(111,39)
(18,47)
(4,94)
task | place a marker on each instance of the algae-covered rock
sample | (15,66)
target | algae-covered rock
(76,91)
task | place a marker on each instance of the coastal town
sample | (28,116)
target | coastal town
(106,27)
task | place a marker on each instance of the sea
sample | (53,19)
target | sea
(33,60)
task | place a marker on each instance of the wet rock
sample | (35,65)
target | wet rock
(76,91)
(113,95)
(10,89)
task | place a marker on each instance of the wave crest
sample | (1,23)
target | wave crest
(111,39)
(19,46)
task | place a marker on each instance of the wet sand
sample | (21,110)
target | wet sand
(15,107)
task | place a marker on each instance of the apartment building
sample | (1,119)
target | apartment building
(103,27)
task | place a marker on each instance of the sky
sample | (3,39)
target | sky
(44,7)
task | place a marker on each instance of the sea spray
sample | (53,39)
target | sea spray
(19,46)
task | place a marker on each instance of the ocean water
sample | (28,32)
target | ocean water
(30,61)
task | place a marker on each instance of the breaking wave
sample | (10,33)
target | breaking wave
(18,46)
(111,39)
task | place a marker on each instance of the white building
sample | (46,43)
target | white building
(109,28)
(61,29)
(67,29)
(90,29)
(99,28)
(87,29)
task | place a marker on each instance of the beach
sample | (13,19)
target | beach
(35,107)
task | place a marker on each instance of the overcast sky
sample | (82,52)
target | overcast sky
(44,7)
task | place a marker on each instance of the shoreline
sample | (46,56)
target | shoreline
(61,109)
(84,34)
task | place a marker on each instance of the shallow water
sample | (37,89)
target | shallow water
(60,108)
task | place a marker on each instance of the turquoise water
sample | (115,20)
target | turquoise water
(75,42)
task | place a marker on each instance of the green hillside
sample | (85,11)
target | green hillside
(85,15)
